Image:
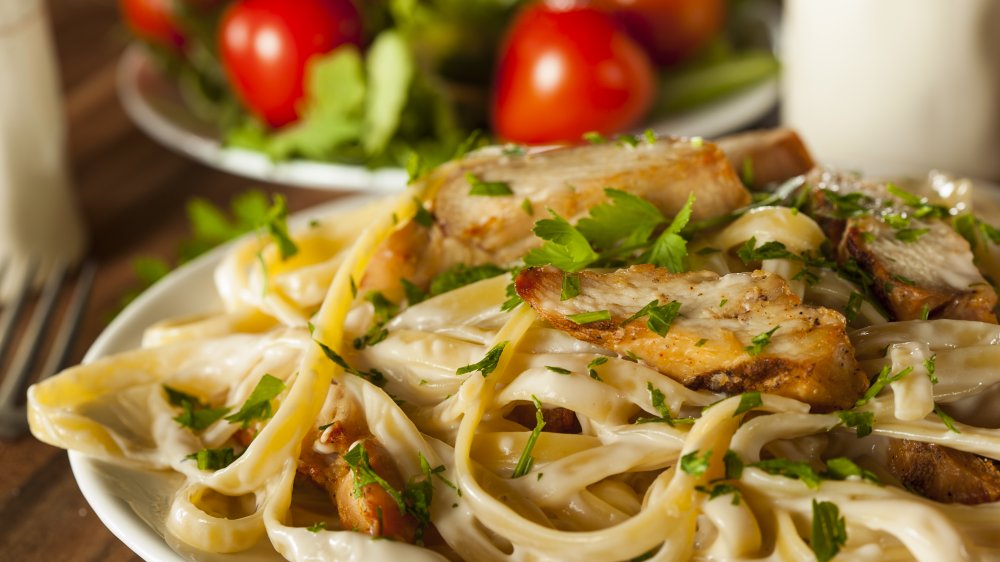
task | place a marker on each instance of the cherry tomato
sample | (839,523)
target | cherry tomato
(153,21)
(670,30)
(564,71)
(265,45)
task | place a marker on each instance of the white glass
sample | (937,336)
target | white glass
(895,86)
(38,214)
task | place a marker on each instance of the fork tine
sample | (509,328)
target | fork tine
(12,310)
(32,340)
(71,321)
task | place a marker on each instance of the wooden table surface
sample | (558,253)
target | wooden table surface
(132,192)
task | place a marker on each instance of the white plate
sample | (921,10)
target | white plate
(132,503)
(154,105)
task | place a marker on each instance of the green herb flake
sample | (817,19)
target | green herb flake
(947,420)
(374,376)
(867,237)
(790,469)
(513,299)
(694,465)
(460,275)
(659,403)
(650,136)
(842,468)
(525,461)
(487,188)
(593,365)
(364,475)
(904,280)
(760,341)
(748,401)
(258,404)
(746,171)
(930,364)
(593,137)
(195,414)
(659,318)
(829,531)
(670,248)
(276,226)
(422,216)
(925,312)
(848,205)
(882,379)
(589,317)
(862,422)
(414,294)
(383,310)
(317,527)
(559,370)
(719,490)
(700,342)
(910,235)
(565,247)
(527,207)
(733,464)
(853,307)
(570,286)
(487,364)
(213,459)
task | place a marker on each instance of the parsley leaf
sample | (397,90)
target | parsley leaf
(213,459)
(461,275)
(487,364)
(589,317)
(930,364)
(749,252)
(526,460)
(829,531)
(760,341)
(748,401)
(862,422)
(854,303)
(559,370)
(513,299)
(733,464)
(592,367)
(695,465)
(487,188)
(660,318)
(883,379)
(790,469)
(317,527)
(374,376)
(275,225)
(721,490)
(670,249)
(195,414)
(947,420)
(570,286)
(911,235)
(841,468)
(658,400)
(258,404)
(565,247)
(848,205)
(384,309)
(627,219)
(364,474)
(413,293)
(422,216)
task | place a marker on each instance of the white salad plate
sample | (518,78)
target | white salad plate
(133,503)
(153,103)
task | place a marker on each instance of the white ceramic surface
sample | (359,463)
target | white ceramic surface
(154,105)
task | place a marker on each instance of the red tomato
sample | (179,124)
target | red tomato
(153,21)
(564,72)
(265,45)
(670,30)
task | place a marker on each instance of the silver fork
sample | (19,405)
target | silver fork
(13,419)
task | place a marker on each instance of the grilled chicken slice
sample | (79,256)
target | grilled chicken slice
(809,357)
(475,229)
(374,512)
(943,474)
(933,274)
(767,156)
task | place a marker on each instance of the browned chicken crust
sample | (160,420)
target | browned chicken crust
(944,474)
(809,357)
(767,156)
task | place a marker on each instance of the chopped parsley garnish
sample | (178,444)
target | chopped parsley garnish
(625,221)
(422,216)
(854,303)
(911,234)
(848,205)
(947,420)
(559,370)
(721,489)
(487,364)
(425,467)
(374,376)
(760,341)
(364,474)
(487,188)
(733,464)
(527,207)
(413,293)
(862,422)
(274,223)
(790,469)
(904,280)
(748,401)
(317,527)
(589,317)
(930,364)
(925,312)
(658,401)
(627,140)
(213,459)
(746,171)
(384,309)
(570,286)
(895,221)
(883,379)
(922,209)
(258,404)
(749,252)
(700,342)
(513,299)
(565,247)
(842,468)
(195,414)
(593,137)
(670,248)
(659,318)
(829,531)
(461,275)
(593,365)
(526,460)
(694,465)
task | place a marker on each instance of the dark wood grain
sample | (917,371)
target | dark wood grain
(132,192)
